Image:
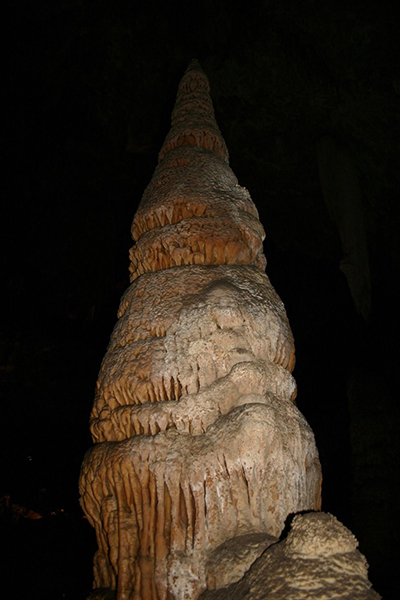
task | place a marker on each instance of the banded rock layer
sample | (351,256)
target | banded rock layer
(197,440)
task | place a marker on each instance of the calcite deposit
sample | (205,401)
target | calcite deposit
(318,560)
(200,453)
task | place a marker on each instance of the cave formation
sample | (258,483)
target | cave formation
(200,453)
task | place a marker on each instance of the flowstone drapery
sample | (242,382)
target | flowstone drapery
(200,453)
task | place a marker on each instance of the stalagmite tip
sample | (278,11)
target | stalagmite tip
(193,120)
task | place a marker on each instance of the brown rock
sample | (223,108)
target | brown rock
(200,454)
(171,346)
(230,561)
(191,182)
(200,241)
(164,502)
(193,122)
(318,560)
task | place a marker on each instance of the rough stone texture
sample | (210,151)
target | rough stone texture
(318,559)
(230,561)
(220,332)
(193,121)
(197,439)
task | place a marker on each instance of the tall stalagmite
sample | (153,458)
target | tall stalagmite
(198,444)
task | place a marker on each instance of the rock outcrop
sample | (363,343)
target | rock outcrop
(200,452)
(318,560)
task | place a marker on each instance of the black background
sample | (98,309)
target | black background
(90,87)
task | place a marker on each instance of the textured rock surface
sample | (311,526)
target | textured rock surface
(230,561)
(318,559)
(197,439)
(191,340)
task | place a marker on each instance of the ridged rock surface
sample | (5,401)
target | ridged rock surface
(318,560)
(197,439)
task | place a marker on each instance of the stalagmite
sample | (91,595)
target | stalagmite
(199,450)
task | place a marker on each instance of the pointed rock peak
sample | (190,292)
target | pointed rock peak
(194,65)
(193,121)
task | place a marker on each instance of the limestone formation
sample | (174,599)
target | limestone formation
(318,560)
(200,453)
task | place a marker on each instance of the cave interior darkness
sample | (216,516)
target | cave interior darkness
(307,98)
